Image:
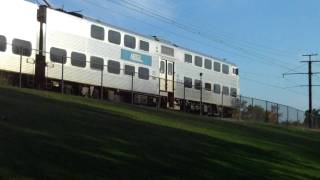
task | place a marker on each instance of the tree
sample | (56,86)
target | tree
(315,116)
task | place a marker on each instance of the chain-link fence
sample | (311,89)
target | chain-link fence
(248,108)
(127,82)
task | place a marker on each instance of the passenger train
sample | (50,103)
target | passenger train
(49,40)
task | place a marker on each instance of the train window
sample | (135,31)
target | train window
(143,73)
(129,70)
(225,90)
(167,50)
(208,64)
(130,41)
(207,86)
(198,61)
(188,58)
(58,55)
(113,67)
(21,47)
(217,88)
(233,92)
(162,64)
(114,37)
(96,63)
(225,69)
(197,84)
(97,32)
(3,43)
(144,45)
(187,82)
(217,66)
(170,69)
(236,71)
(78,59)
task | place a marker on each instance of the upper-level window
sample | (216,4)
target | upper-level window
(78,59)
(58,55)
(236,71)
(167,50)
(129,70)
(198,61)
(130,41)
(21,47)
(187,82)
(170,69)
(97,32)
(114,37)
(143,73)
(207,86)
(96,63)
(188,58)
(144,45)
(217,66)
(162,67)
(225,90)
(113,67)
(3,43)
(208,64)
(233,92)
(225,69)
(217,88)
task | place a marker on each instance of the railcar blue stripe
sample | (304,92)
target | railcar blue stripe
(136,57)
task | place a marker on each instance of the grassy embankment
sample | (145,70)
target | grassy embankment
(49,136)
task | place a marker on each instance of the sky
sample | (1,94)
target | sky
(265,38)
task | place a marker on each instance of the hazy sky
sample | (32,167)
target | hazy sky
(265,38)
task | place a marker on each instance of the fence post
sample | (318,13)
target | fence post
(267,118)
(288,115)
(252,102)
(184,97)
(201,93)
(297,116)
(46,75)
(101,85)
(240,107)
(20,69)
(132,87)
(159,96)
(62,76)
(201,99)
(277,113)
(222,104)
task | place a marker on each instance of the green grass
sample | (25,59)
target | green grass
(49,136)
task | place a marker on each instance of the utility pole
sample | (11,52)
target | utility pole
(310,85)
(310,88)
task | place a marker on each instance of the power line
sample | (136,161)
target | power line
(191,29)
(271,85)
(246,56)
(196,28)
(253,45)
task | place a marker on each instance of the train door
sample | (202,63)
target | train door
(163,70)
(167,82)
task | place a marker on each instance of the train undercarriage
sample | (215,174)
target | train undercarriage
(167,101)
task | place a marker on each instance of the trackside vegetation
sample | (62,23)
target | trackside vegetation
(46,135)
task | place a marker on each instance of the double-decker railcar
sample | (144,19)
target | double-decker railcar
(89,53)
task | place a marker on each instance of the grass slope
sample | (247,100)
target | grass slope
(50,136)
